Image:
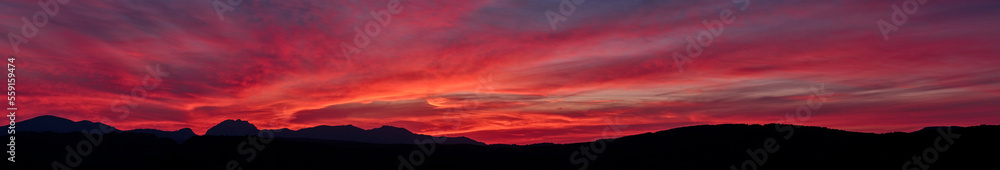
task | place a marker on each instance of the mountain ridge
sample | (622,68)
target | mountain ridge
(382,135)
(692,147)
(390,134)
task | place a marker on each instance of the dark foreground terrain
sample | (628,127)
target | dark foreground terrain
(771,146)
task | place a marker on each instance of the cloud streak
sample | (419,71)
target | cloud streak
(609,59)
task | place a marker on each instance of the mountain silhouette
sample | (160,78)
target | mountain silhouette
(381,135)
(57,125)
(180,135)
(233,128)
(721,146)
(345,132)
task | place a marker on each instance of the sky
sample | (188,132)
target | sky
(498,71)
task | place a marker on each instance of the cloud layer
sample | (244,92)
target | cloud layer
(496,72)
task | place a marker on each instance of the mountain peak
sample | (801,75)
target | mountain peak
(186,130)
(934,128)
(48,123)
(179,136)
(393,129)
(384,135)
(49,118)
(348,126)
(233,128)
(235,121)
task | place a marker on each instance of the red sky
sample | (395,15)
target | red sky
(608,60)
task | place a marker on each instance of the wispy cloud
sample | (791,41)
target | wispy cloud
(610,59)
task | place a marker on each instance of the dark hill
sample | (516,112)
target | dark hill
(179,136)
(56,124)
(233,128)
(694,147)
